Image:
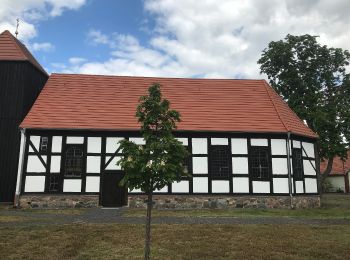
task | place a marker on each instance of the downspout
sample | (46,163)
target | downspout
(289,171)
(20,167)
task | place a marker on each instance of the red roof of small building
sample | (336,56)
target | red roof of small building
(75,101)
(339,167)
(12,49)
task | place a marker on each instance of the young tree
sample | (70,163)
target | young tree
(313,80)
(161,160)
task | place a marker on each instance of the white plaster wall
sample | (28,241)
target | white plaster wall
(338,182)
(184,141)
(71,185)
(164,189)
(75,140)
(239,146)
(113,164)
(94,145)
(200,185)
(36,142)
(93,164)
(200,165)
(279,166)
(296,144)
(182,186)
(112,144)
(309,148)
(35,165)
(55,166)
(310,185)
(299,186)
(199,146)
(308,169)
(240,185)
(261,187)
(92,184)
(34,184)
(135,191)
(219,141)
(56,144)
(240,165)
(280,185)
(137,140)
(258,142)
(278,146)
(220,186)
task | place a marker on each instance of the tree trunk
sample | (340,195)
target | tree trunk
(328,169)
(148,227)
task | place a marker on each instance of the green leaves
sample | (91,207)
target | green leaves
(313,80)
(161,160)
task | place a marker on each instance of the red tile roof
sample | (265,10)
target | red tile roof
(339,167)
(94,102)
(12,49)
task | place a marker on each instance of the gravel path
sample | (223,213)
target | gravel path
(100,216)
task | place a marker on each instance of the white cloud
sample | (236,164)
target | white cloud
(30,12)
(97,37)
(43,46)
(213,38)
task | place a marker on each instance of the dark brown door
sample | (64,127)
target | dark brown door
(113,195)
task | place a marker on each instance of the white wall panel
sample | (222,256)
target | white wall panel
(280,185)
(56,144)
(240,185)
(75,140)
(36,142)
(113,164)
(278,146)
(71,185)
(92,184)
(220,186)
(261,187)
(258,142)
(219,141)
(309,148)
(94,145)
(55,166)
(93,164)
(137,140)
(184,141)
(338,182)
(239,146)
(308,169)
(34,184)
(200,165)
(240,165)
(35,165)
(200,185)
(299,186)
(135,191)
(279,166)
(182,186)
(164,189)
(112,144)
(199,146)
(310,185)
(296,144)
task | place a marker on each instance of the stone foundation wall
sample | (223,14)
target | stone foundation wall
(59,201)
(223,202)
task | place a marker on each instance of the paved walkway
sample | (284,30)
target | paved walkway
(101,216)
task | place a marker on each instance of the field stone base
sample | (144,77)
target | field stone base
(223,202)
(59,201)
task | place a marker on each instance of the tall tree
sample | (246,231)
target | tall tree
(160,161)
(313,80)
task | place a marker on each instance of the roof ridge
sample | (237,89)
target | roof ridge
(274,105)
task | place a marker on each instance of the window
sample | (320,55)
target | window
(74,161)
(259,163)
(54,183)
(298,171)
(220,161)
(44,143)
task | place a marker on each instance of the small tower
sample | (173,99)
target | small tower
(21,80)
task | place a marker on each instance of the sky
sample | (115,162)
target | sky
(168,38)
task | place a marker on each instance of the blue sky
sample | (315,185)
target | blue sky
(182,38)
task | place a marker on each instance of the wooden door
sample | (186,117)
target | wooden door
(113,195)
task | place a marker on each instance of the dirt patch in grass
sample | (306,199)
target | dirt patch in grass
(176,242)
(6,219)
(56,211)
